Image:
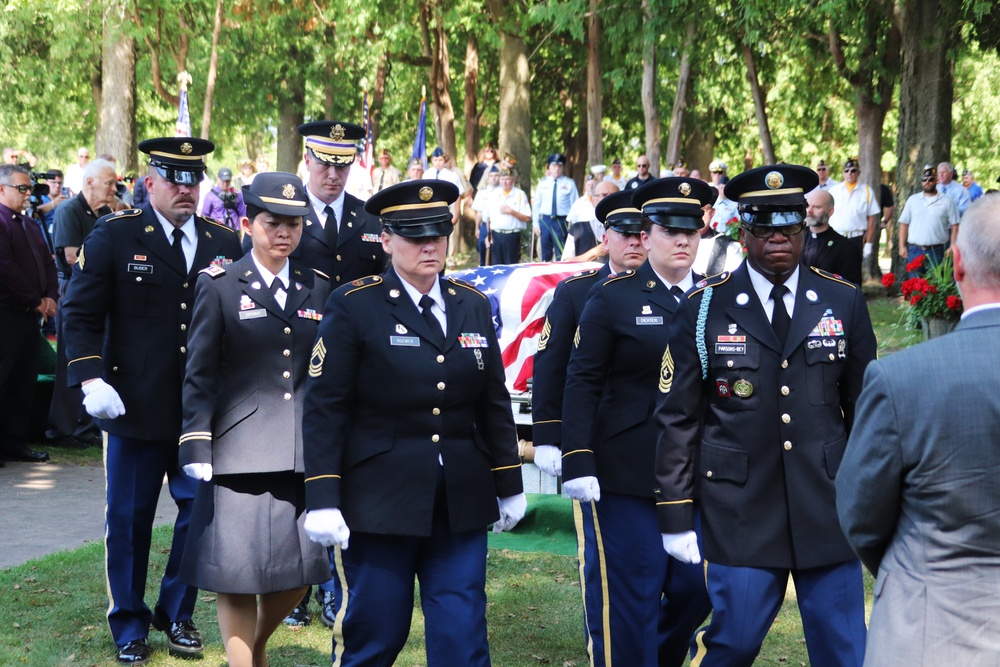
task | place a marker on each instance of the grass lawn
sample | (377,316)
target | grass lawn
(52,609)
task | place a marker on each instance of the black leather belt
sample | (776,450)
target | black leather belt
(928,247)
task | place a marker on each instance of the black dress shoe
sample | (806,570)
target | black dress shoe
(300,616)
(183,637)
(136,652)
(327,612)
(25,454)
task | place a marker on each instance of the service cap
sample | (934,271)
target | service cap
(674,202)
(556,158)
(180,160)
(415,209)
(277,192)
(772,189)
(332,142)
(616,212)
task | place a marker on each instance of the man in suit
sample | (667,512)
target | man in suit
(623,224)
(824,248)
(127,311)
(759,384)
(641,606)
(340,239)
(916,492)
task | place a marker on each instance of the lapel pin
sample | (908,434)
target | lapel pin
(811,295)
(255,285)
(394,293)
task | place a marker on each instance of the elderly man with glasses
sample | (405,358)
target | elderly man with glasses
(823,171)
(856,210)
(758,386)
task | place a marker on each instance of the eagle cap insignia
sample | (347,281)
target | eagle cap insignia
(684,189)
(425,194)
(288,191)
(337,132)
(186,148)
(774,180)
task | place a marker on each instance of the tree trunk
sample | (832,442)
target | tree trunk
(378,95)
(760,106)
(117,133)
(444,112)
(291,112)
(595,135)
(329,69)
(650,111)
(575,128)
(471,102)
(870,119)
(213,70)
(515,105)
(675,135)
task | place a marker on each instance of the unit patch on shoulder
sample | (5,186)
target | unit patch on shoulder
(214,270)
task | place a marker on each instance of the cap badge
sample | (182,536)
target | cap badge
(425,194)
(186,148)
(337,132)
(774,180)
(684,189)
(288,191)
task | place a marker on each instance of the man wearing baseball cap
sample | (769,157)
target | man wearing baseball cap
(223,203)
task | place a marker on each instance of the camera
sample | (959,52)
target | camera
(228,199)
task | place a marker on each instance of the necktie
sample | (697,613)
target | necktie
(381,178)
(677,292)
(435,326)
(779,319)
(178,250)
(37,256)
(278,292)
(331,227)
(555,194)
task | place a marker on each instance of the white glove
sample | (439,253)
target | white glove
(682,546)
(327,527)
(866,253)
(512,510)
(548,458)
(102,401)
(200,471)
(583,489)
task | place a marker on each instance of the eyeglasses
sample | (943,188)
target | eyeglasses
(850,171)
(820,168)
(767,231)
(23,189)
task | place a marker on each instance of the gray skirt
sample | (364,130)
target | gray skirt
(246,536)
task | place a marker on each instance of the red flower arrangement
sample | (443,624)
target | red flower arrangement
(934,295)
(888,280)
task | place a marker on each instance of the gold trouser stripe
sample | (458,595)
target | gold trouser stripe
(701,649)
(107,578)
(338,623)
(603,567)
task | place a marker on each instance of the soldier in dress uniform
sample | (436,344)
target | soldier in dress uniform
(252,333)
(642,607)
(759,386)
(622,224)
(127,311)
(339,239)
(411,470)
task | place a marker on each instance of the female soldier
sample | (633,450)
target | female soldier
(642,607)
(252,330)
(409,443)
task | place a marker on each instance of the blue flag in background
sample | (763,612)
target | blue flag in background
(420,142)
(183,127)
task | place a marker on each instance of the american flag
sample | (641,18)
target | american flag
(519,294)
(367,158)
(183,127)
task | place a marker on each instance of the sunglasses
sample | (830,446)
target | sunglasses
(23,189)
(850,171)
(642,166)
(820,168)
(768,231)
(179,177)
(927,179)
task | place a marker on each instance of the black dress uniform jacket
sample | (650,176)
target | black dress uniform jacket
(384,402)
(611,383)
(763,435)
(554,347)
(247,368)
(359,245)
(128,309)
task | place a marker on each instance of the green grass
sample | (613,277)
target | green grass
(891,324)
(53,610)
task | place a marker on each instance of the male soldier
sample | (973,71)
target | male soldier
(622,223)
(127,311)
(553,198)
(340,239)
(759,385)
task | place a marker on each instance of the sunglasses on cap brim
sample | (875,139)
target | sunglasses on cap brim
(178,176)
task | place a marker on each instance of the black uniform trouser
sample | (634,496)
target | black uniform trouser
(19,356)
(67,415)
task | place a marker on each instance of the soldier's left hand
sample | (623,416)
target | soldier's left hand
(512,509)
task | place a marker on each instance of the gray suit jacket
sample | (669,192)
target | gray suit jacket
(919,500)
